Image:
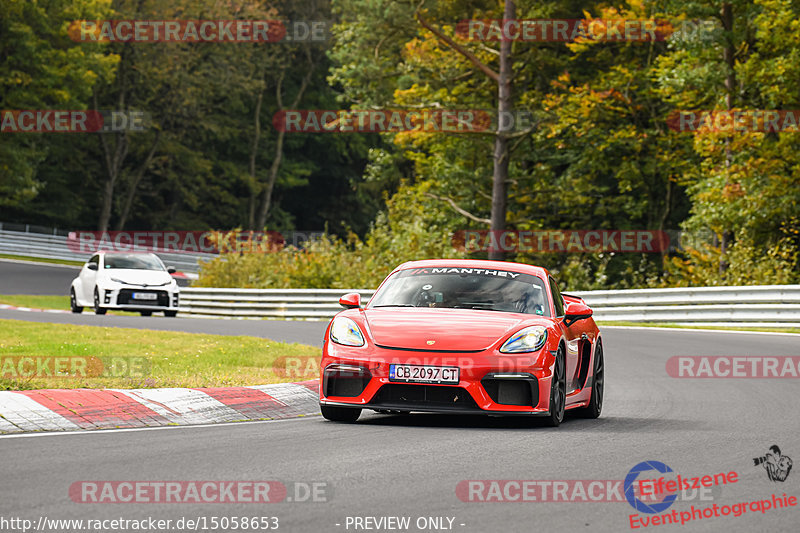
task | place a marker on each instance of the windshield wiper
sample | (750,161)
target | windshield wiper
(395,305)
(484,307)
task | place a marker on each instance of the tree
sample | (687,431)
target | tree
(41,68)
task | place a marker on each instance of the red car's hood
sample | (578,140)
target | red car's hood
(450,329)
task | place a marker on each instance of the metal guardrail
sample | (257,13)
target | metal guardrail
(54,246)
(284,304)
(766,305)
(758,305)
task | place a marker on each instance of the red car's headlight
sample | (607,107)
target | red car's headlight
(346,332)
(530,339)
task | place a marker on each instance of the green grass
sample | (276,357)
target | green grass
(38,301)
(699,326)
(166,359)
(42,260)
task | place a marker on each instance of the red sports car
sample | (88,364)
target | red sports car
(467,337)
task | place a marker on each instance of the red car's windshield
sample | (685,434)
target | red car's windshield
(464,288)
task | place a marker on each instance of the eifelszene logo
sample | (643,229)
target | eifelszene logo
(630,486)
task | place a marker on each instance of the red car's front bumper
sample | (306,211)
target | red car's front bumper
(489,382)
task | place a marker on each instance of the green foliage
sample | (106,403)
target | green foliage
(405,233)
(201,101)
(41,68)
(599,157)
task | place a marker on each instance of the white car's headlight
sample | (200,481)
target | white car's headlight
(115,280)
(345,331)
(530,339)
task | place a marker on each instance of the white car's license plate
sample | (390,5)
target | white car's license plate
(423,374)
(145,296)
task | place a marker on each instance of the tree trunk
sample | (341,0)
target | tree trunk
(126,209)
(663,220)
(500,157)
(728,55)
(114,160)
(113,167)
(253,153)
(266,200)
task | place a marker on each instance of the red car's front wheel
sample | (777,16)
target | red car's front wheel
(558,391)
(596,403)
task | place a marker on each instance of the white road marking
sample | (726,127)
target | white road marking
(7,427)
(29,415)
(297,398)
(157,428)
(183,406)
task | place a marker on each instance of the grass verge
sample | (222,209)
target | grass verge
(700,326)
(138,358)
(36,301)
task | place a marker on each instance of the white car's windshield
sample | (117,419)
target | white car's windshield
(464,288)
(133,261)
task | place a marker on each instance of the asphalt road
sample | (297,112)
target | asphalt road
(306,332)
(410,465)
(32,278)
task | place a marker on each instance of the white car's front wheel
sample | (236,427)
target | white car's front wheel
(97,309)
(73,302)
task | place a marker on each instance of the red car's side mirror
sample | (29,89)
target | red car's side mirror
(350,300)
(576,311)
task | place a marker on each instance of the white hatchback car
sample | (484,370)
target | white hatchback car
(137,282)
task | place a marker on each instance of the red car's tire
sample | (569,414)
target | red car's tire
(558,391)
(598,385)
(340,414)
